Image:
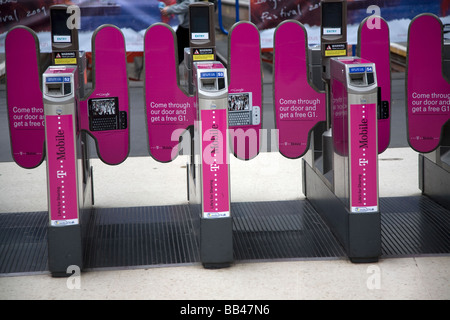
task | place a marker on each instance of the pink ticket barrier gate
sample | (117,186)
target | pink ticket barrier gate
(170,113)
(55,116)
(33,125)
(341,195)
(428,106)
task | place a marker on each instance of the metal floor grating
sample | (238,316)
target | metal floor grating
(23,242)
(281,230)
(167,235)
(412,226)
(124,237)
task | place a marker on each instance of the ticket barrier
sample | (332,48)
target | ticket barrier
(199,121)
(52,131)
(69,193)
(428,105)
(307,120)
(354,100)
(208,174)
(347,196)
(53,120)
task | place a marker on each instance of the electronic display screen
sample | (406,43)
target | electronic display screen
(239,102)
(199,23)
(60,32)
(332,18)
(103,107)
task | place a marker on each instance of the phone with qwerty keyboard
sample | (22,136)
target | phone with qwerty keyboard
(104,115)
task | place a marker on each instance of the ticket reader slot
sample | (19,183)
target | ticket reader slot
(209,188)
(58,89)
(212,84)
(362,77)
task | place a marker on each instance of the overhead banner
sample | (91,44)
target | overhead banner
(133,17)
(267,15)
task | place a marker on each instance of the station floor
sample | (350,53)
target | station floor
(268,177)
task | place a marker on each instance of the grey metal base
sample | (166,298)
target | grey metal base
(358,233)
(216,242)
(434,181)
(64,249)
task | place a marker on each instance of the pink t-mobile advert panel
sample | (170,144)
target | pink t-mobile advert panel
(110,88)
(24,98)
(298,107)
(215,172)
(62,173)
(363,158)
(428,92)
(245,86)
(169,110)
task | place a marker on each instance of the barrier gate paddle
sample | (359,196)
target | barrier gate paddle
(25,109)
(428,92)
(245,90)
(104,113)
(374,46)
(298,106)
(169,110)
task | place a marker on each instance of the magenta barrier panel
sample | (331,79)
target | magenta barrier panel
(245,90)
(104,113)
(298,107)
(374,45)
(24,97)
(427,91)
(169,110)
